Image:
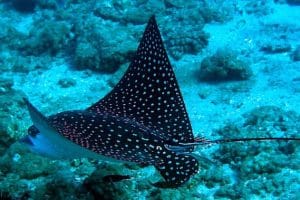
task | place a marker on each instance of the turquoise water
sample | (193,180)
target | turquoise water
(237,66)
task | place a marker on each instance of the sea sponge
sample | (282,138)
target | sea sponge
(222,66)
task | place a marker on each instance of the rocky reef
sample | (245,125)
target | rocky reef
(222,66)
(262,164)
(66,55)
(89,44)
(11,126)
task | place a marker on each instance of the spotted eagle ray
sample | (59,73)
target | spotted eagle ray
(142,120)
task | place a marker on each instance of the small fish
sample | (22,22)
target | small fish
(142,120)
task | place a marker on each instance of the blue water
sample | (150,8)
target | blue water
(66,55)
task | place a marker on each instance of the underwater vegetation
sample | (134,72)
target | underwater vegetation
(65,54)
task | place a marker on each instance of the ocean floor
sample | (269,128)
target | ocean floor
(66,55)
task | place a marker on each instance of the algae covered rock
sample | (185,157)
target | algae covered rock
(26,175)
(133,12)
(100,48)
(102,188)
(6,121)
(259,8)
(88,56)
(48,37)
(272,118)
(21,172)
(190,17)
(26,165)
(223,66)
(265,121)
(191,39)
(10,37)
(276,46)
(261,164)
(10,114)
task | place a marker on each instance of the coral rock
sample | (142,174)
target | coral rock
(224,65)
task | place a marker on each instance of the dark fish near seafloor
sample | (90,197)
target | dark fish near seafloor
(142,120)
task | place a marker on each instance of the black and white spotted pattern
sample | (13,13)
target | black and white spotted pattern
(139,119)
(148,92)
(123,139)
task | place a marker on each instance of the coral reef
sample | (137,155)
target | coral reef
(190,20)
(96,51)
(191,40)
(275,43)
(10,114)
(99,188)
(26,175)
(134,12)
(41,38)
(259,8)
(105,48)
(261,163)
(50,37)
(10,37)
(28,166)
(271,117)
(224,65)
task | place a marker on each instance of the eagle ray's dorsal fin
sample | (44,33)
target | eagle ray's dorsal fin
(148,92)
